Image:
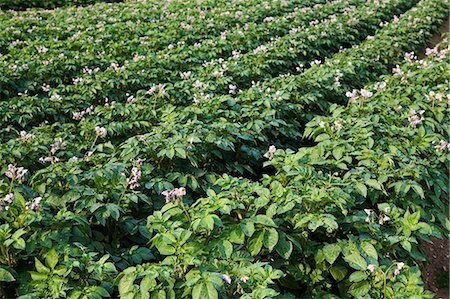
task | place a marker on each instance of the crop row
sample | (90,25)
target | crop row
(340,218)
(25,4)
(176,59)
(134,26)
(224,128)
(200,86)
(70,63)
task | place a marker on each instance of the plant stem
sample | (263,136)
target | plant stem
(185,211)
(93,143)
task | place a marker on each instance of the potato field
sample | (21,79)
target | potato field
(154,149)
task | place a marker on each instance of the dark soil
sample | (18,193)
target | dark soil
(437,38)
(436,270)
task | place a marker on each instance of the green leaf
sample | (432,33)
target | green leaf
(373,183)
(225,248)
(38,276)
(359,289)
(146,284)
(19,244)
(357,276)
(180,152)
(362,189)
(418,189)
(204,290)
(248,228)
(255,243)
(270,238)
(284,247)
(338,152)
(126,283)
(165,249)
(264,220)
(338,272)
(331,252)
(40,267)
(370,250)
(51,259)
(406,245)
(5,275)
(161,294)
(356,261)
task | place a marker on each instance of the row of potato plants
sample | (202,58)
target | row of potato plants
(114,84)
(111,74)
(120,120)
(61,184)
(227,133)
(26,4)
(176,59)
(254,108)
(339,219)
(145,16)
(109,36)
(99,56)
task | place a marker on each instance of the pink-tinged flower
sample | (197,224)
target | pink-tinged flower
(57,145)
(414,118)
(442,146)
(175,193)
(185,75)
(135,177)
(236,54)
(130,98)
(101,131)
(400,265)
(387,210)
(410,56)
(322,124)
(49,159)
(269,154)
(15,173)
(34,205)
(167,194)
(337,125)
(42,49)
(431,52)
(366,93)
(396,272)
(367,219)
(316,62)
(9,198)
(55,97)
(232,88)
(386,218)
(226,278)
(77,115)
(244,279)
(397,71)
(45,87)
(90,110)
(371,268)
(24,136)
(368,211)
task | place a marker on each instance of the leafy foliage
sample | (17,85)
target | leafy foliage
(133,174)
